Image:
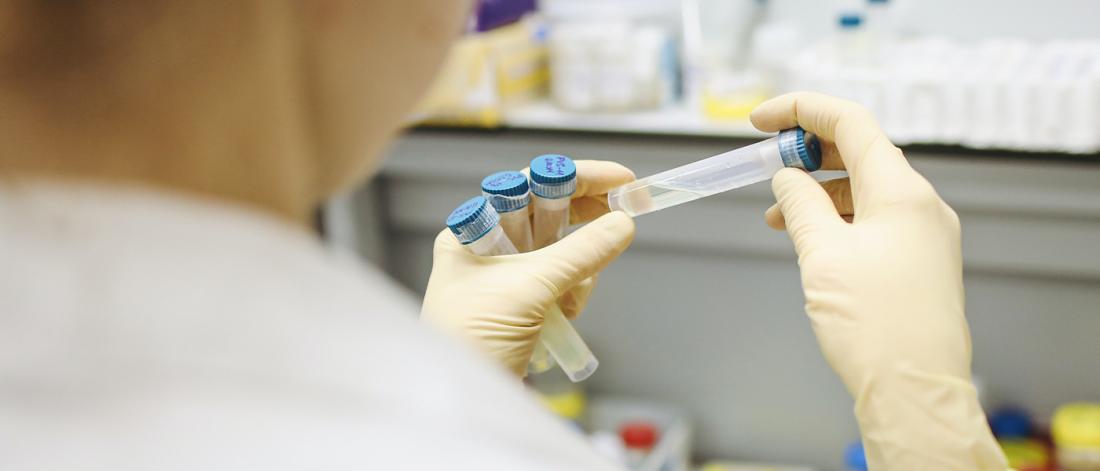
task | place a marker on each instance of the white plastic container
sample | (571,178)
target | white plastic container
(998,93)
(852,43)
(1075,429)
(610,55)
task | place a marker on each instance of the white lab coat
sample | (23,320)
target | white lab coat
(142,330)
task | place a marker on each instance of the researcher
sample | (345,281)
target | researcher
(165,305)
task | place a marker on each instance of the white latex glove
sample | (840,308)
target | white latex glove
(884,292)
(496,303)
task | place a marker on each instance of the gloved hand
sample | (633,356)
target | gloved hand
(496,303)
(884,292)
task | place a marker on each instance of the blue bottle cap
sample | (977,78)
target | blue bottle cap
(850,20)
(472,219)
(506,191)
(553,176)
(799,149)
(1008,423)
(854,458)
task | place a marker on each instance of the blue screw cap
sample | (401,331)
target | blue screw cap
(472,219)
(799,149)
(850,20)
(505,184)
(506,191)
(854,457)
(1010,423)
(553,176)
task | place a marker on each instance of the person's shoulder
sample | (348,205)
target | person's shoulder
(210,326)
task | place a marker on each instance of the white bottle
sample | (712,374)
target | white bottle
(881,28)
(852,44)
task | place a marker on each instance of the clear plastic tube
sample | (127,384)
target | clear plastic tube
(492,244)
(551,220)
(517,226)
(510,195)
(553,182)
(574,356)
(726,171)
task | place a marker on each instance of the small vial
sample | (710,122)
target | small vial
(476,225)
(508,193)
(723,172)
(553,181)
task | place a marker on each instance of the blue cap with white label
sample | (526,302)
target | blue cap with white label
(799,149)
(553,176)
(472,220)
(506,191)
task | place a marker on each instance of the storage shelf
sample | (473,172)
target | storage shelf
(681,121)
(677,120)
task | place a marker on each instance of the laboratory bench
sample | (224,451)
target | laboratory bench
(705,310)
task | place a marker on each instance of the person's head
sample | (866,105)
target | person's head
(273,102)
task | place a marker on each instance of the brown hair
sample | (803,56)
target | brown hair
(81,40)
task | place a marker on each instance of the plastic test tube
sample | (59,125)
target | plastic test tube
(723,172)
(476,225)
(553,182)
(508,193)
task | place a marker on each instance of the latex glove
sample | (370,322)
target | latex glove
(496,303)
(884,292)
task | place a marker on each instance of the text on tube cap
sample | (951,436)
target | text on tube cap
(472,219)
(506,191)
(553,176)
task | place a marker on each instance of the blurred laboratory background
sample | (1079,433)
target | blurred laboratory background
(706,355)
